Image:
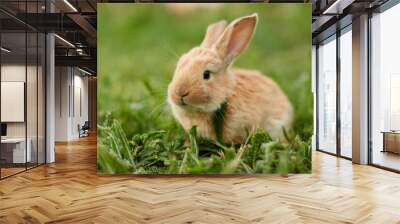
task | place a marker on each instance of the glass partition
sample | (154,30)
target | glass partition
(22,101)
(15,151)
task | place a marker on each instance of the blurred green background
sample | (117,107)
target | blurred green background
(139,45)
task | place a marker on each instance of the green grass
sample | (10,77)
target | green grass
(164,152)
(139,45)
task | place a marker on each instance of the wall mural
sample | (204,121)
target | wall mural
(204,88)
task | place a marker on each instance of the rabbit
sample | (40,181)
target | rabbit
(204,80)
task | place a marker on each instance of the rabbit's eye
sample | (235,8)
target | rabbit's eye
(206,74)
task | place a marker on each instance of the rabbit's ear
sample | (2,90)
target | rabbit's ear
(236,37)
(214,31)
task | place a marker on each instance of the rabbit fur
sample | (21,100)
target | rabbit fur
(253,99)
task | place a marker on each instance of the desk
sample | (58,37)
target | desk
(391,141)
(13,150)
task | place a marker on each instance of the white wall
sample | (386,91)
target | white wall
(62,81)
(70,84)
(80,96)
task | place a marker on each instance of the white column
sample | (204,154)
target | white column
(360,90)
(50,99)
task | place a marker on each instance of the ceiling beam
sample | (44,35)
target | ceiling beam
(49,22)
(337,7)
(81,61)
(320,22)
(86,27)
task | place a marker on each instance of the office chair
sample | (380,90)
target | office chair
(84,130)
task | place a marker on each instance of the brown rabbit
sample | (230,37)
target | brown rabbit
(204,84)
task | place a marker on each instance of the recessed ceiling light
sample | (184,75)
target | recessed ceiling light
(84,71)
(5,50)
(64,40)
(337,7)
(70,5)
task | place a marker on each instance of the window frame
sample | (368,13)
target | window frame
(346,22)
(378,10)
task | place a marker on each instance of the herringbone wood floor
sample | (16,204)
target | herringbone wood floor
(70,191)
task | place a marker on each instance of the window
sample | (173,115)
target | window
(327,95)
(385,88)
(346,92)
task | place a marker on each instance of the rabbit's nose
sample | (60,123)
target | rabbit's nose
(183,93)
(183,96)
(183,101)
